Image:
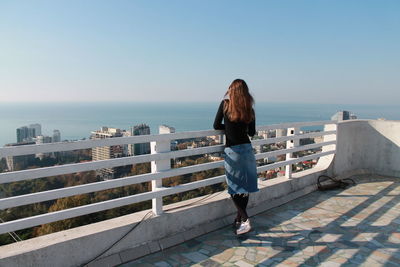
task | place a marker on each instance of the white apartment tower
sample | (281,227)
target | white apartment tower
(107,152)
(165,129)
(143,148)
(40,139)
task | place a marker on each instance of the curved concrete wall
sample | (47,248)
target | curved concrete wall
(367,146)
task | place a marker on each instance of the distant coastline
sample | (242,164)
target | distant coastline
(76,120)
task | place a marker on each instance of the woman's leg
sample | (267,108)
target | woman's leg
(241,201)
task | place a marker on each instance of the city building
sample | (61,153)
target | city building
(107,152)
(281,132)
(266,133)
(16,163)
(165,129)
(22,134)
(128,150)
(353,116)
(27,134)
(218,139)
(41,139)
(144,148)
(343,115)
(56,136)
(36,129)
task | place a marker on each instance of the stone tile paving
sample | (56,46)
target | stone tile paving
(359,226)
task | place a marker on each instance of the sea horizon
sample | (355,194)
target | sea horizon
(76,120)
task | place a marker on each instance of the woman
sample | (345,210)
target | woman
(240,165)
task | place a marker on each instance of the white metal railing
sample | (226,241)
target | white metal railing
(160,159)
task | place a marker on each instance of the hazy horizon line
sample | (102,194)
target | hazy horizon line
(187,102)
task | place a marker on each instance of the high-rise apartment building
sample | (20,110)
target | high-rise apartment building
(37,129)
(56,136)
(41,139)
(22,134)
(26,134)
(31,134)
(165,129)
(107,152)
(143,148)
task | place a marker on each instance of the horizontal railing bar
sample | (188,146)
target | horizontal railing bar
(105,205)
(293,125)
(291,150)
(84,144)
(293,161)
(104,185)
(274,140)
(8,177)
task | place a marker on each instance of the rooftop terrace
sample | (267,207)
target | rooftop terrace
(294,225)
(358,226)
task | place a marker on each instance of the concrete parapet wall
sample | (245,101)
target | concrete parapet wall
(367,146)
(79,245)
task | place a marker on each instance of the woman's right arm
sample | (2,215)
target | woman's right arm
(218,125)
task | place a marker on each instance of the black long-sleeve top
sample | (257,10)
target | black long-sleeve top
(236,132)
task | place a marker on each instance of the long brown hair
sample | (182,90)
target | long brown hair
(240,104)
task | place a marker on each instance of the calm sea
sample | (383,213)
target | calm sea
(77,120)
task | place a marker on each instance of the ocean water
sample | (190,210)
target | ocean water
(77,120)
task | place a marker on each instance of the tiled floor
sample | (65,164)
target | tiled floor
(359,226)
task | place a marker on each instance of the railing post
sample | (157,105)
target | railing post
(326,160)
(291,144)
(157,166)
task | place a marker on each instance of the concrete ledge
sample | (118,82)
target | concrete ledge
(367,145)
(109,261)
(133,253)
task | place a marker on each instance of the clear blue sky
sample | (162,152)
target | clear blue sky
(288,51)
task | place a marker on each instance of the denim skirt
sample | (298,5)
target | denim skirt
(240,169)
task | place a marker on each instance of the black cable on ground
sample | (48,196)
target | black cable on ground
(13,235)
(209,196)
(116,242)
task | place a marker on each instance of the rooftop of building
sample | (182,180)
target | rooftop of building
(294,225)
(357,226)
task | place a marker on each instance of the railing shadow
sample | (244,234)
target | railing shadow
(345,236)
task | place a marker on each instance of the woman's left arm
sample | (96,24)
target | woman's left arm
(218,125)
(252,127)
